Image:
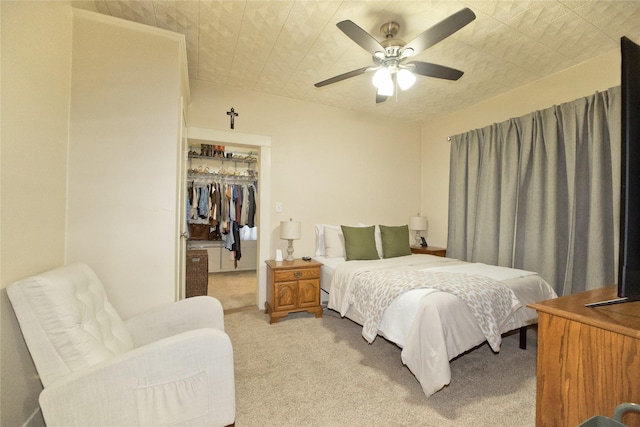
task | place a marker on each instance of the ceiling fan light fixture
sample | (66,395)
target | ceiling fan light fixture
(386,89)
(406,79)
(382,78)
(389,55)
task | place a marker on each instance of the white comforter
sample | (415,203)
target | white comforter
(432,327)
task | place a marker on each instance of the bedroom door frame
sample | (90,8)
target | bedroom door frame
(262,144)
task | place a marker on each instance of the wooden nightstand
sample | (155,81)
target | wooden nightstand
(429,250)
(292,286)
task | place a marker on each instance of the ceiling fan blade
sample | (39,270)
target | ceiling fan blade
(441,30)
(341,77)
(380,98)
(360,36)
(435,70)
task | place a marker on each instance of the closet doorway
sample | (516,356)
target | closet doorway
(233,165)
(235,290)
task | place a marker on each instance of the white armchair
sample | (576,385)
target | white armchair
(170,366)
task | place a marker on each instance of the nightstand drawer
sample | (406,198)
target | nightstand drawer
(298,274)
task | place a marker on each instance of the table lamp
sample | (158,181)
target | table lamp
(418,224)
(290,230)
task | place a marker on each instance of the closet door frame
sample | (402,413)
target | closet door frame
(181,225)
(262,144)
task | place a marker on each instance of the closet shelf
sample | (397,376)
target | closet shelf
(244,159)
(209,175)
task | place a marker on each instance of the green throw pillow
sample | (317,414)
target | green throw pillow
(395,241)
(359,243)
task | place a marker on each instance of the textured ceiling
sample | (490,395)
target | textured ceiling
(284,47)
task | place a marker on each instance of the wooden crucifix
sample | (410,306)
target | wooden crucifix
(232,114)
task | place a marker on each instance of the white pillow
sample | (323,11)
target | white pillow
(319,239)
(320,251)
(334,242)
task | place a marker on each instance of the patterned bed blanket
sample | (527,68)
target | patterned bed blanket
(489,301)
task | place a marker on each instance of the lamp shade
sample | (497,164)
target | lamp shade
(418,223)
(290,230)
(382,78)
(406,79)
(386,90)
(383,82)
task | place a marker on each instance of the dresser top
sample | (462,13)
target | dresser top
(296,263)
(620,318)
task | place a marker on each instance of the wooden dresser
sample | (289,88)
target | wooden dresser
(293,286)
(588,358)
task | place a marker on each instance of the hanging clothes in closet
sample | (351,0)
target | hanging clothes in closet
(223,206)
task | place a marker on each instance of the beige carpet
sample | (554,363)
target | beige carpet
(321,372)
(236,289)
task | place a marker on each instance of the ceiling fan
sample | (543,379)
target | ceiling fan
(389,55)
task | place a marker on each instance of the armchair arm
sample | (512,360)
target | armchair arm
(171,319)
(187,378)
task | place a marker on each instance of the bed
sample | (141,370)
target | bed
(411,299)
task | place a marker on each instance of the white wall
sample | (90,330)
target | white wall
(328,165)
(123,150)
(585,79)
(35,72)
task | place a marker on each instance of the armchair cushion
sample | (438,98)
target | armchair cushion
(171,319)
(67,321)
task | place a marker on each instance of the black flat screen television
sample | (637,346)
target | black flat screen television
(629,254)
(629,258)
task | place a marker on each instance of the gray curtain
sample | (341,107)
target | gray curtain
(541,193)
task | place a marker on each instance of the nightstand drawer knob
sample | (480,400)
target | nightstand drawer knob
(298,274)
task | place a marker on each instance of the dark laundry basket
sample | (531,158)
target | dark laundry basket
(601,421)
(197,274)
